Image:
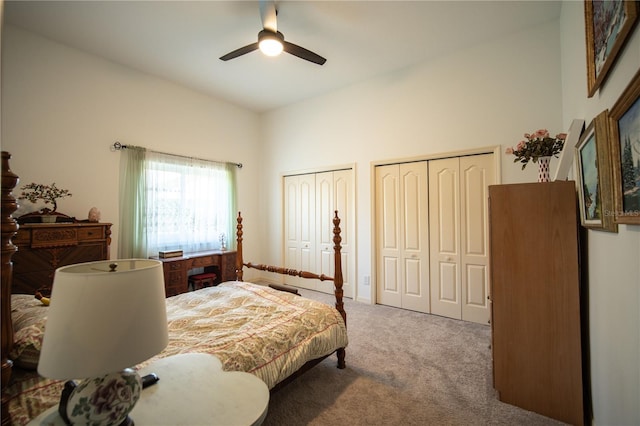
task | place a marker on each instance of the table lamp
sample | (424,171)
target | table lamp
(104,318)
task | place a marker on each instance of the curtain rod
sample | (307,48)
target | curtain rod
(117,146)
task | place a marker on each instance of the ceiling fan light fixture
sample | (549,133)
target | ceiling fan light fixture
(270,43)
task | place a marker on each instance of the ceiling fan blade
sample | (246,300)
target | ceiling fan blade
(268,13)
(239,52)
(303,53)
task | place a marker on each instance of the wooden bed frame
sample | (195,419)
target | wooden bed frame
(10,227)
(337,288)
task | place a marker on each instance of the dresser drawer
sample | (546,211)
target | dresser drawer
(54,237)
(174,278)
(174,266)
(42,248)
(22,237)
(199,262)
(90,233)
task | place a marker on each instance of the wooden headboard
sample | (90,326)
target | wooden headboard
(9,229)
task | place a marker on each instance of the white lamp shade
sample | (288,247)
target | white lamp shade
(101,322)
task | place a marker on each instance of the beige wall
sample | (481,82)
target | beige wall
(64,109)
(613,259)
(480,97)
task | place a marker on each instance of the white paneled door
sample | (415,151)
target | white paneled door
(310,204)
(300,227)
(402,236)
(458,208)
(431,236)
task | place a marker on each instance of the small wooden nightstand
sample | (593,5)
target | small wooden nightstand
(193,390)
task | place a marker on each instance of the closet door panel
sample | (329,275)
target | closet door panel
(477,173)
(307,228)
(415,235)
(448,293)
(387,232)
(291,222)
(344,203)
(475,291)
(300,214)
(444,211)
(324,228)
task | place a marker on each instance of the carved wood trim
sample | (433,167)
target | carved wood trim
(8,229)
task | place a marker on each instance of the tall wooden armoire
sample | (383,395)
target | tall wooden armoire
(535,298)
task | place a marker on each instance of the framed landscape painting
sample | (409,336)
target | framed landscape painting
(624,122)
(594,176)
(608,25)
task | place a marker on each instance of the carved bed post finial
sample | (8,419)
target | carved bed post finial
(239,262)
(9,229)
(338,281)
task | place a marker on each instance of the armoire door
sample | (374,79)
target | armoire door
(459,245)
(536,298)
(402,234)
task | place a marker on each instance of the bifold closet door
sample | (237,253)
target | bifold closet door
(459,245)
(310,201)
(300,227)
(402,276)
(334,192)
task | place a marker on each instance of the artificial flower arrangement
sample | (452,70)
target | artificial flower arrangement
(47,193)
(537,145)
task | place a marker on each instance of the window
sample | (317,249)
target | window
(179,204)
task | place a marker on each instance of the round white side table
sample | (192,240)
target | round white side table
(193,390)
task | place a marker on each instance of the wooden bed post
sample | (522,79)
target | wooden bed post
(239,262)
(338,281)
(9,229)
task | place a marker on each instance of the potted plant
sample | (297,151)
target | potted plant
(50,194)
(538,147)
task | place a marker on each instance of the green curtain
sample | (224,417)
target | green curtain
(132,240)
(232,202)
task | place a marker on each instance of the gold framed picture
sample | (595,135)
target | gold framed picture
(594,176)
(608,25)
(624,129)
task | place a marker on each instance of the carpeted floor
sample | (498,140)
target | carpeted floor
(403,368)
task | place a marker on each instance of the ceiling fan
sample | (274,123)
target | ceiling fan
(271,41)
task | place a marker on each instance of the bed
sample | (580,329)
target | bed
(276,335)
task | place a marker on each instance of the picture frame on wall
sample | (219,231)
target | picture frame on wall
(624,129)
(594,176)
(608,25)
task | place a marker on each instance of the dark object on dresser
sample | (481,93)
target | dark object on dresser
(44,247)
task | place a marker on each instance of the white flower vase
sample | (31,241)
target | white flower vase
(543,169)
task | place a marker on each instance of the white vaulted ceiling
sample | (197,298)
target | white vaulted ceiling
(182,40)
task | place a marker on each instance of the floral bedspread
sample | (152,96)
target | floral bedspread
(249,327)
(253,328)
